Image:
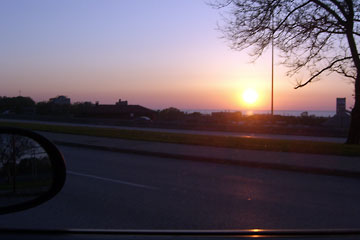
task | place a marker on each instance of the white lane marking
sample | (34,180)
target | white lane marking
(112,180)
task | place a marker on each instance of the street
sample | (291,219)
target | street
(108,190)
(196,132)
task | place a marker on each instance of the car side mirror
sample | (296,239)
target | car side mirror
(32,170)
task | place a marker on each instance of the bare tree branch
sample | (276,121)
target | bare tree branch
(313,35)
(329,10)
(290,13)
(321,71)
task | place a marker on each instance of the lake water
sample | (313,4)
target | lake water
(278,112)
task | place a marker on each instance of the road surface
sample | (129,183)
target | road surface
(110,190)
(211,133)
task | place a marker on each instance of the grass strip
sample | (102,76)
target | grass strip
(278,145)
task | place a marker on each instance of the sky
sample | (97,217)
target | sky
(155,53)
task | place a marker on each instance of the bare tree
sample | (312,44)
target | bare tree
(12,149)
(320,36)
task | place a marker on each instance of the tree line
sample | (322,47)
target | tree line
(25,105)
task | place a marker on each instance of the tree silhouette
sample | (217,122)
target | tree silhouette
(12,149)
(318,35)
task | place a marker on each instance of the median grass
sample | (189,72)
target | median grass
(203,140)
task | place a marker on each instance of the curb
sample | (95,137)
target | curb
(250,164)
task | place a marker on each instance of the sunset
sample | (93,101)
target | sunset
(180,119)
(250,96)
(184,62)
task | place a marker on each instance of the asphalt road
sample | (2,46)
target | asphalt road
(108,190)
(210,133)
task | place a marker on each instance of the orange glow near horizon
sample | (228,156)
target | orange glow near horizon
(175,68)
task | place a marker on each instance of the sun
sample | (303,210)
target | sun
(250,96)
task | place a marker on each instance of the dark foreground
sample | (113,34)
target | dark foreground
(119,191)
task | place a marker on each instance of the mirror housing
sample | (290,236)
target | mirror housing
(54,170)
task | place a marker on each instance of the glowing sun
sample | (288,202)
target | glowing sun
(250,96)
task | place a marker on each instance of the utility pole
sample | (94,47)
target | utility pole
(272,64)
(272,77)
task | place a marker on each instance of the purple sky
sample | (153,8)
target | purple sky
(157,53)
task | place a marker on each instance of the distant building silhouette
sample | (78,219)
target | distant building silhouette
(120,109)
(340,106)
(121,103)
(60,100)
(341,118)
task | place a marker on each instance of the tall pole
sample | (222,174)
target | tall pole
(272,64)
(272,76)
